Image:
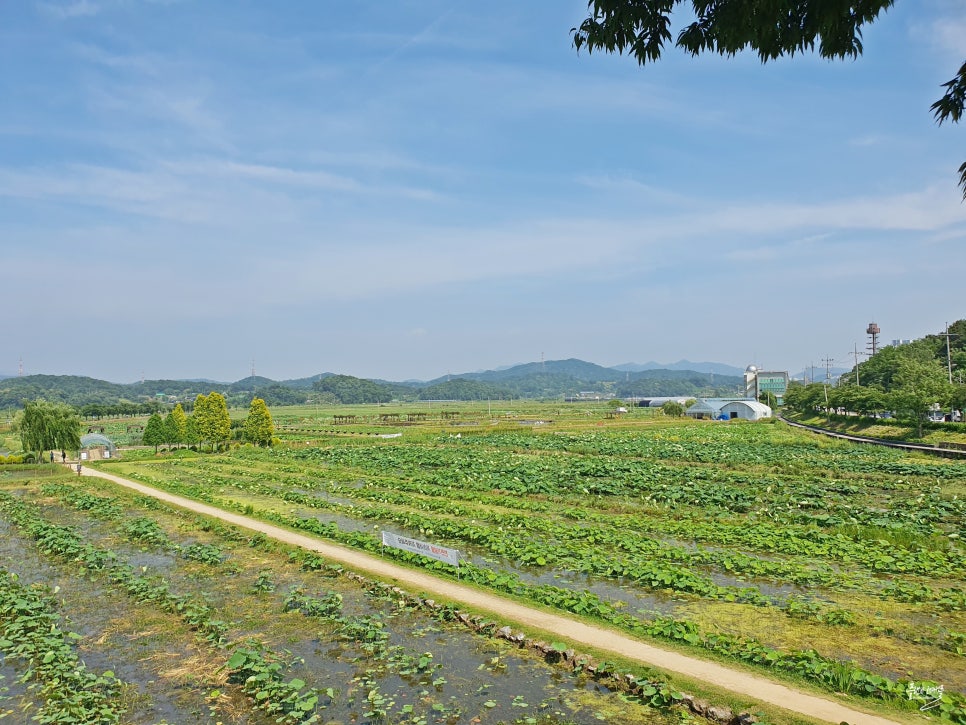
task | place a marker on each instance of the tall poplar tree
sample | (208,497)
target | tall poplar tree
(176,426)
(220,420)
(212,422)
(201,421)
(258,425)
(191,436)
(154,432)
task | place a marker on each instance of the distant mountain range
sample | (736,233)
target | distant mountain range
(699,367)
(551,379)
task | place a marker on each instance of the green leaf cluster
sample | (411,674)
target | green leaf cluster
(672,408)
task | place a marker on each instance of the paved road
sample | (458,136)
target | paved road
(571,630)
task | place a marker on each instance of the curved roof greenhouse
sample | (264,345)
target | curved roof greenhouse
(96,439)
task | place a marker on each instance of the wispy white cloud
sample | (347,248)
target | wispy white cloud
(623,186)
(68,10)
(782,251)
(932,209)
(942,27)
(263,173)
(210,191)
(143,64)
(870,140)
(949,35)
(186,106)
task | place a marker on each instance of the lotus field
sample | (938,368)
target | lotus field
(837,567)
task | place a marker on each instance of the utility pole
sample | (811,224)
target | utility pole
(828,376)
(855,353)
(949,357)
(828,367)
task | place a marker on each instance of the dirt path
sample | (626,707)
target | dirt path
(574,631)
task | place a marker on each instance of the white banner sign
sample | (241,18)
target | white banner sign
(440,553)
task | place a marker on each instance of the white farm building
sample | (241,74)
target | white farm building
(729,409)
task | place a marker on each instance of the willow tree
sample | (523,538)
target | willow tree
(46,426)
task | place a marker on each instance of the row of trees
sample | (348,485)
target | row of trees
(208,424)
(120,409)
(914,384)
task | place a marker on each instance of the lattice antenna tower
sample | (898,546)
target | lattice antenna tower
(873,332)
(20,368)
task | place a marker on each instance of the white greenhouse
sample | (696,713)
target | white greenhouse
(728,409)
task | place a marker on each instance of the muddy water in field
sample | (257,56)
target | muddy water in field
(627,594)
(464,677)
(768,587)
(15,697)
(165,675)
(624,594)
(468,677)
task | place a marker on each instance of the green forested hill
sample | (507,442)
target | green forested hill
(550,379)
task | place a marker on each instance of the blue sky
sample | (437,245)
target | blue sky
(409,189)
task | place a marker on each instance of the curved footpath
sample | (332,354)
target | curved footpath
(577,632)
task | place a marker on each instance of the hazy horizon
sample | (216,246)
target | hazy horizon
(258,373)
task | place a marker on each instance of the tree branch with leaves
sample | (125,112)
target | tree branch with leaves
(641,28)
